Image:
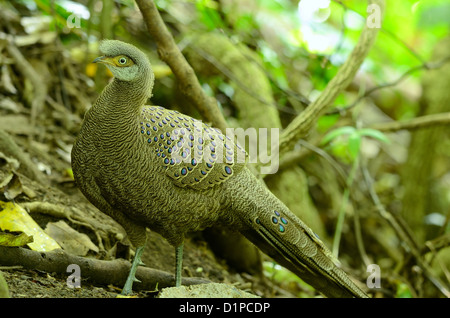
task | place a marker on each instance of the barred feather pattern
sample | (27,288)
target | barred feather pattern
(150,167)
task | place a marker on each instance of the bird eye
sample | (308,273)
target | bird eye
(123,61)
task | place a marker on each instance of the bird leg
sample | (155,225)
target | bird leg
(178,264)
(128,287)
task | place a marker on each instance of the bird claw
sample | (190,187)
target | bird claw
(126,291)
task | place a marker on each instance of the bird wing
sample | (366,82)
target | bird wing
(194,154)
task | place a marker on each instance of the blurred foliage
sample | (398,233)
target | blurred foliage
(349,149)
(299,50)
(283,276)
(284,41)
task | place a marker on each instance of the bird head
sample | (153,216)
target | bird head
(125,61)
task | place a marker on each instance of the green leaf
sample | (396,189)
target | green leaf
(340,150)
(325,122)
(403,291)
(434,15)
(376,134)
(245,23)
(346,130)
(209,15)
(354,144)
(279,273)
(70,173)
(14,238)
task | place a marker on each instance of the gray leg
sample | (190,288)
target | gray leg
(178,264)
(128,287)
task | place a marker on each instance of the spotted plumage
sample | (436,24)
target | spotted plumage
(190,149)
(150,167)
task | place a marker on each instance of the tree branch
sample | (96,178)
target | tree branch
(424,66)
(404,234)
(303,123)
(99,271)
(414,123)
(170,53)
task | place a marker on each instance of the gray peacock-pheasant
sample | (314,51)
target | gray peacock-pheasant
(150,167)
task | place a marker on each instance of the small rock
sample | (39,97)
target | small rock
(213,290)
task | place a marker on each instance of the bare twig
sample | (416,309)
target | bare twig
(404,235)
(424,66)
(303,123)
(437,244)
(229,74)
(170,53)
(102,272)
(27,166)
(24,67)
(388,33)
(414,123)
(295,156)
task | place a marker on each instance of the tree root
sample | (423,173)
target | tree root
(97,271)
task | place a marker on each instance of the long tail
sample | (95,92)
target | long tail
(269,224)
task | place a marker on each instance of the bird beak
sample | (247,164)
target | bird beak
(103,60)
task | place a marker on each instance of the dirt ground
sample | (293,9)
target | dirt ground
(64,202)
(199,261)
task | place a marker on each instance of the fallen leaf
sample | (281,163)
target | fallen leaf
(14,188)
(14,238)
(6,81)
(14,218)
(70,240)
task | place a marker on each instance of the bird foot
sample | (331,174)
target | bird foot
(128,287)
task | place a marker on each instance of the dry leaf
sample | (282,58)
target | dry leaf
(70,240)
(14,238)
(14,218)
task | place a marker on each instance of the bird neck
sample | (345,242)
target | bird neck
(123,100)
(130,95)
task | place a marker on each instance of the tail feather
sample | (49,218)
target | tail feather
(272,227)
(306,260)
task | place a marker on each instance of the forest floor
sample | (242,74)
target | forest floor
(64,199)
(68,205)
(198,261)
